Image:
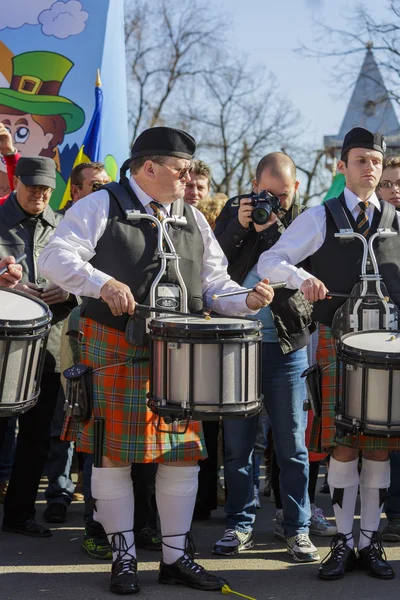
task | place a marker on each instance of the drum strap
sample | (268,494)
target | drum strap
(338,214)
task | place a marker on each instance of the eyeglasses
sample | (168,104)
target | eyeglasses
(35,189)
(386,185)
(96,185)
(180,172)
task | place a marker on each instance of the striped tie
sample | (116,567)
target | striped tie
(156,210)
(362,219)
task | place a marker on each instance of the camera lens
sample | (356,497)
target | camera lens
(261,214)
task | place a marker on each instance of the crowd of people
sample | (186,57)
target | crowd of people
(90,265)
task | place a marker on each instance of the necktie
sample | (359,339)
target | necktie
(156,206)
(362,221)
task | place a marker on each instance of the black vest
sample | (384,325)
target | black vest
(127,251)
(338,264)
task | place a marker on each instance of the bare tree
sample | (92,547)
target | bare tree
(311,163)
(364,31)
(239,119)
(168,45)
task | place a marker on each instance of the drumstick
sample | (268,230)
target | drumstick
(275,286)
(343,295)
(17,261)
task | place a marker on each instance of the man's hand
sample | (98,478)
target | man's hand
(119,297)
(13,275)
(29,288)
(244,214)
(6,143)
(273,219)
(54,295)
(262,296)
(314,290)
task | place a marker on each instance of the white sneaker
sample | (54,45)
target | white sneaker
(257,497)
(302,549)
(319,525)
(233,542)
(278,529)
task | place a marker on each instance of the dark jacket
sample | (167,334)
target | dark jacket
(21,233)
(243,247)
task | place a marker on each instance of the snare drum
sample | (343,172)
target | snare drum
(368,383)
(24,327)
(205,369)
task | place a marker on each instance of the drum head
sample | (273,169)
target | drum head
(18,308)
(381,345)
(201,324)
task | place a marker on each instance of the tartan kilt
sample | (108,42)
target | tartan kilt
(119,396)
(323,434)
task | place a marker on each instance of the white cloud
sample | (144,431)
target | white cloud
(63,19)
(17,13)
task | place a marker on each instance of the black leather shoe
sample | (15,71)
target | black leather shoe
(373,559)
(185,571)
(56,512)
(29,527)
(148,539)
(124,579)
(340,559)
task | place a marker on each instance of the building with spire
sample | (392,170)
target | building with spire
(370,107)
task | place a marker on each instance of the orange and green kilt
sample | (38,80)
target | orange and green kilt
(119,396)
(323,434)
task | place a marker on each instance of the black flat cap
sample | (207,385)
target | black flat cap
(358,137)
(164,141)
(36,170)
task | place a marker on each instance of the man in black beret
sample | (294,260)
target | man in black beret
(26,224)
(112,262)
(331,265)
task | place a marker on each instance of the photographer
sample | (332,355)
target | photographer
(286,328)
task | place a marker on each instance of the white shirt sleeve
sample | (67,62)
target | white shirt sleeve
(214,275)
(64,261)
(302,238)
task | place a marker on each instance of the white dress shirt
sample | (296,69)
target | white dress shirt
(65,260)
(304,236)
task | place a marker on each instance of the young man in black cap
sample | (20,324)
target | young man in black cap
(26,224)
(331,265)
(111,262)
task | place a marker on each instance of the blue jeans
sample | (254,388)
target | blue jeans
(392,506)
(59,460)
(263,427)
(284,393)
(8,450)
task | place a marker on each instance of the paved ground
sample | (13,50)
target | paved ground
(56,569)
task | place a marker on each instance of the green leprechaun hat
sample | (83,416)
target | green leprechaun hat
(34,87)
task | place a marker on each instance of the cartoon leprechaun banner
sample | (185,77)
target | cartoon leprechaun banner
(50,54)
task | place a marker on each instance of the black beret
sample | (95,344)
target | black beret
(164,141)
(358,137)
(36,170)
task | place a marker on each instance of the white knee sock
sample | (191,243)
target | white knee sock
(113,491)
(176,489)
(375,476)
(344,476)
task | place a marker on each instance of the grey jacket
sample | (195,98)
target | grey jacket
(21,233)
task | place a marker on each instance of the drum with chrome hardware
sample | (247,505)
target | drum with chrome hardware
(24,328)
(368,383)
(205,369)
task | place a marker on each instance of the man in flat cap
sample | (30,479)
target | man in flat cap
(330,265)
(26,224)
(99,254)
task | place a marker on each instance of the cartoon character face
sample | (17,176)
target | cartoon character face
(28,136)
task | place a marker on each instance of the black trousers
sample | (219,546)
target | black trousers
(208,474)
(31,453)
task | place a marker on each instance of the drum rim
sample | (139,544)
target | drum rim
(10,324)
(162,325)
(362,353)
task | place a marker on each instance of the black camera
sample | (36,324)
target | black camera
(264,204)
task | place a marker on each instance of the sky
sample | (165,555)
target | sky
(270,31)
